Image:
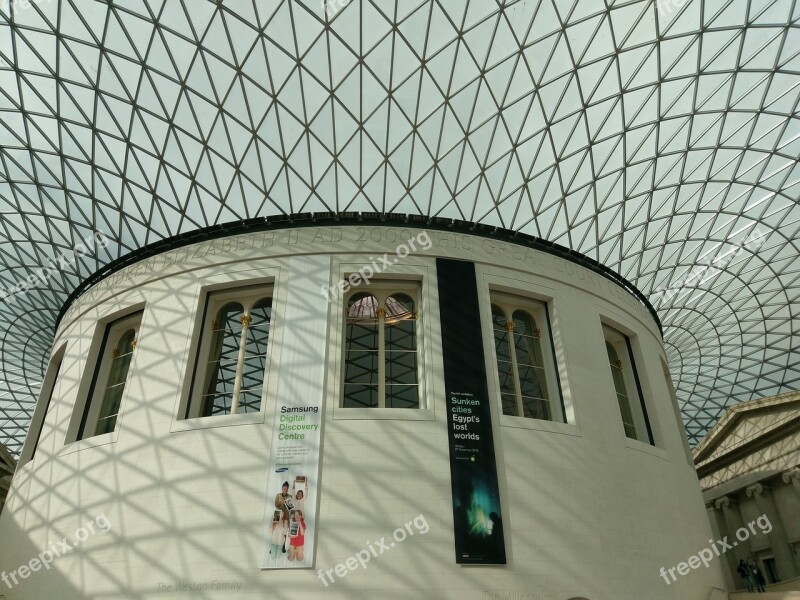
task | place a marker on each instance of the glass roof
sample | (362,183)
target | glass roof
(660,138)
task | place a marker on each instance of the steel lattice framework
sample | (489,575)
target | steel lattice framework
(659,138)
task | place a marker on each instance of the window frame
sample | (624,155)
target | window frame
(622,344)
(528,285)
(247,294)
(538,310)
(420,272)
(382,289)
(113,329)
(50,384)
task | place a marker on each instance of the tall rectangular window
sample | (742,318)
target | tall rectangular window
(39,417)
(627,387)
(110,377)
(232,359)
(529,385)
(381,353)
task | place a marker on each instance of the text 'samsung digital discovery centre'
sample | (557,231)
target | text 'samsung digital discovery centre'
(357,299)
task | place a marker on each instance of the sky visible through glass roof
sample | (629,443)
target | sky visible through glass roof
(660,138)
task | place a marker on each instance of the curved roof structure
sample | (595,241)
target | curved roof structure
(658,137)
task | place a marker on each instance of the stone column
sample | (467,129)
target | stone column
(784,559)
(733,522)
(719,530)
(793,476)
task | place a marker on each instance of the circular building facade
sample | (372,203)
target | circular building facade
(352,409)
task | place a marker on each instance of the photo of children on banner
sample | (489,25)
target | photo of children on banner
(278,533)
(288,521)
(297,533)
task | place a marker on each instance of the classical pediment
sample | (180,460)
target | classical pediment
(746,423)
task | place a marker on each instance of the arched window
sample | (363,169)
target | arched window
(221,366)
(232,358)
(362,353)
(526,372)
(631,403)
(505,363)
(49,386)
(530,364)
(622,391)
(380,349)
(400,331)
(118,375)
(110,377)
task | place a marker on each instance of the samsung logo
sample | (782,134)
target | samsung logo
(296,409)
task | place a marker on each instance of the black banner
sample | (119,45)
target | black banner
(477,517)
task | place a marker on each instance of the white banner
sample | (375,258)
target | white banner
(292,480)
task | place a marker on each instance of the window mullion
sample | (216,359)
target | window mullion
(237,385)
(381,314)
(514,367)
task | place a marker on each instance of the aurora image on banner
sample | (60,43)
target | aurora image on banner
(477,515)
(478,526)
